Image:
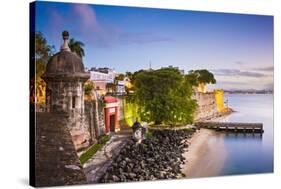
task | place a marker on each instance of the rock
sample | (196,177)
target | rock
(142,164)
(132,175)
(115,178)
(122,164)
(127,159)
(74,167)
(158,157)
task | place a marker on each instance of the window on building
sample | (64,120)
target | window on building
(73,102)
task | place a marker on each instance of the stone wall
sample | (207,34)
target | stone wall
(68,97)
(90,121)
(79,130)
(57,162)
(207,107)
(127,112)
(94,119)
(121,102)
(64,96)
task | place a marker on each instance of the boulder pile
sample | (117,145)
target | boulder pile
(157,157)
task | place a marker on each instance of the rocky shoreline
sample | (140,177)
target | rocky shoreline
(160,156)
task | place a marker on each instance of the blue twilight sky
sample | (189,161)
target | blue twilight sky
(237,48)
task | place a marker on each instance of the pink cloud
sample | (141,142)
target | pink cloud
(81,20)
(87,17)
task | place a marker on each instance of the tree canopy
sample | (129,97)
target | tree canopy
(120,77)
(43,51)
(88,88)
(164,96)
(200,76)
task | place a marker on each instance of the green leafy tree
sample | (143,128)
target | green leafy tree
(111,87)
(164,97)
(129,75)
(200,76)
(120,77)
(192,79)
(77,47)
(88,87)
(43,51)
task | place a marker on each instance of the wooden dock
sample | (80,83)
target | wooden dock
(232,126)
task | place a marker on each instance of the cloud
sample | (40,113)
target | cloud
(266,69)
(241,85)
(239,62)
(142,38)
(86,16)
(81,20)
(236,73)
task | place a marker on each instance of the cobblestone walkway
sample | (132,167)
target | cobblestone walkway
(95,167)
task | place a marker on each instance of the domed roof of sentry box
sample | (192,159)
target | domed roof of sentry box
(65,64)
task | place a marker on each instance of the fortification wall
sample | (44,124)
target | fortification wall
(127,112)
(57,162)
(207,107)
(210,104)
(94,119)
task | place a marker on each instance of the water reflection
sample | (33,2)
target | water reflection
(249,153)
(236,135)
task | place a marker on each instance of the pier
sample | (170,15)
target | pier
(232,127)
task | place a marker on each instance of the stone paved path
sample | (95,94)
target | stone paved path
(95,167)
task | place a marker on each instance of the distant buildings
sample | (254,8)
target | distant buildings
(120,87)
(105,81)
(101,78)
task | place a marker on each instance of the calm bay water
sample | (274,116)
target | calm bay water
(249,154)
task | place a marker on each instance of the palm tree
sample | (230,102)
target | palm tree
(77,47)
(43,51)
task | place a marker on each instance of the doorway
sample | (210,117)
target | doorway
(112,123)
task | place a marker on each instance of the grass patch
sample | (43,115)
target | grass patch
(189,130)
(93,149)
(104,139)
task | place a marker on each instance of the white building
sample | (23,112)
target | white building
(101,77)
(102,74)
(120,87)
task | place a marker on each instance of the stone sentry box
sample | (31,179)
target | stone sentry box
(65,77)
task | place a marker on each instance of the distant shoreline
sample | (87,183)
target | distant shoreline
(227,92)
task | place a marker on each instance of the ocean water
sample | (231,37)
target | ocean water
(249,154)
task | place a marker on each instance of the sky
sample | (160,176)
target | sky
(236,48)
